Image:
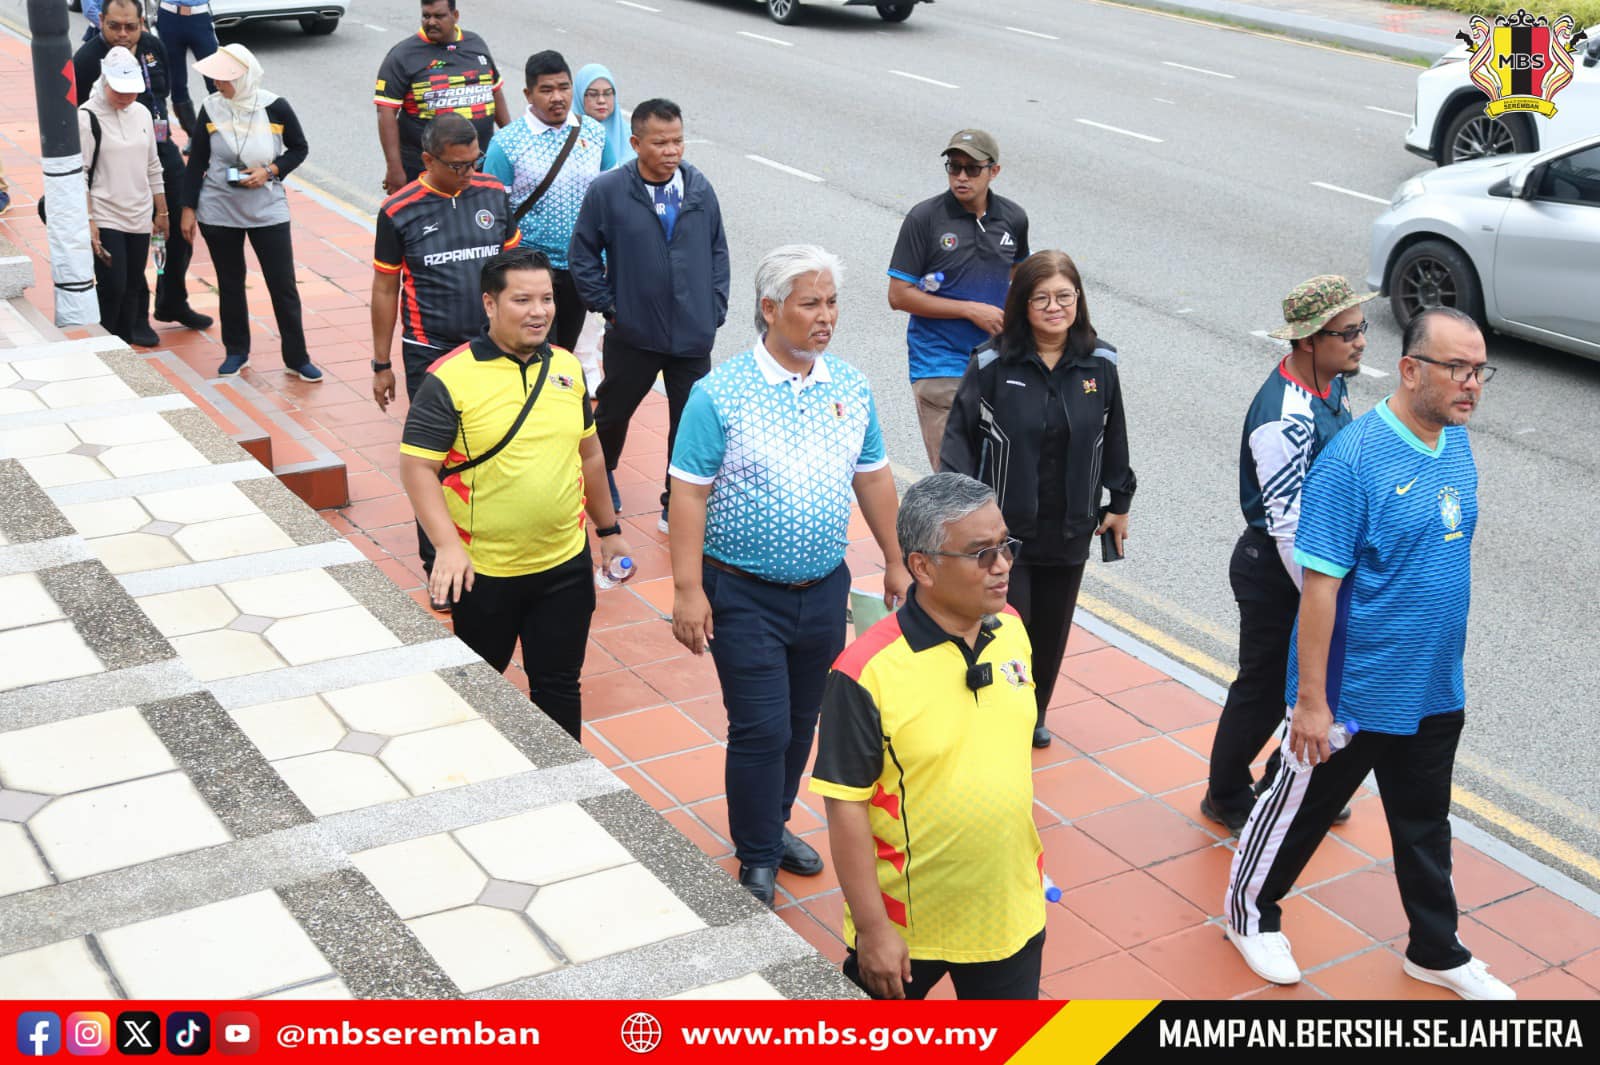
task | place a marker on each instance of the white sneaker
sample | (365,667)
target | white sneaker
(1268,955)
(661,523)
(1471,981)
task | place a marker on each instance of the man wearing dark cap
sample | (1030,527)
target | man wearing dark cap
(951,269)
(1302,405)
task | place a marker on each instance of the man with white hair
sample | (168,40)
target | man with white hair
(771,445)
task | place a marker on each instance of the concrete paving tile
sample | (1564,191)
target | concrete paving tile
(1545,924)
(1333,858)
(1480,880)
(331,989)
(1367,830)
(1113,976)
(82,752)
(543,846)
(1167,706)
(1132,908)
(1201,963)
(108,517)
(450,757)
(124,429)
(290,727)
(1110,670)
(71,366)
(610,911)
(20,866)
(231,537)
(1070,941)
(54,471)
(689,777)
(24,601)
(652,733)
(330,782)
(287,595)
(131,460)
(1320,936)
(751,986)
(125,824)
(329,634)
(1076,789)
(1368,899)
(232,949)
(88,392)
(1155,765)
(37,440)
(225,653)
(824,940)
(479,946)
(399,706)
(1554,985)
(1586,968)
(1144,832)
(136,552)
(616,692)
(641,643)
(190,506)
(1200,876)
(1095,725)
(189,611)
(1073,859)
(423,875)
(710,844)
(686,677)
(40,653)
(61,970)
(1377,974)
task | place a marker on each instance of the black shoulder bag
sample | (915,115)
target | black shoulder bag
(549,176)
(516,426)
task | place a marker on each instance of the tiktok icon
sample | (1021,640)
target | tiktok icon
(188,1033)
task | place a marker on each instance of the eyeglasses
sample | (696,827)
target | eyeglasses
(1346,335)
(1043,301)
(599,94)
(1460,371)
(463,169)
(969,169)
(988,556)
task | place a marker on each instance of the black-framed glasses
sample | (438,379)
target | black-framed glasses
(1461,371)
(599,94)
(1346,335)
(988,556)
(1043,301)
(463,169)
(969,169)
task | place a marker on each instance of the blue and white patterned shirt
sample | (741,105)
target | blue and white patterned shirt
(780,453)
(520,155)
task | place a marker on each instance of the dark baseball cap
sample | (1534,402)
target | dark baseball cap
(976,143)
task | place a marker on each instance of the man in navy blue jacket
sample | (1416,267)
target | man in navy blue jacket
(649,254)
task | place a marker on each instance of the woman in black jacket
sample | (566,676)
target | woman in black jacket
(1039,419)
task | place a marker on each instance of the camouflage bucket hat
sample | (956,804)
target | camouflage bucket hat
(1314,303)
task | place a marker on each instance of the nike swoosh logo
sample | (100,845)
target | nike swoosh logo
(1402,489)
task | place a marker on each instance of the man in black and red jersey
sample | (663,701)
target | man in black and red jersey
(434,236)
(441,69)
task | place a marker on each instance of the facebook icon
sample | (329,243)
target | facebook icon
(38,1034)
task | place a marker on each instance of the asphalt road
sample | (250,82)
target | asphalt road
(1187,168)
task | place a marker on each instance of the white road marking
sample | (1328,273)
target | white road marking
(1184,310)
(1386,111)
(786,169)
(639,7)
(929,81)
(1350,192)
(1373,371)
(1031,33)
(1198,70)
(1524,432)
(380,29)
(769,40)
(1161,100)
(1119,129)
(1370,371)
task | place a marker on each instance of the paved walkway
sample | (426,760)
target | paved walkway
(1117,794)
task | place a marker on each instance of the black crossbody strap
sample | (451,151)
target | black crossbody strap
(516,426)
(549,176)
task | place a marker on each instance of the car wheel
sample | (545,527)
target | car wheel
(895,12)
(1473,134)
(1433,273)
(784,12)
(316,26)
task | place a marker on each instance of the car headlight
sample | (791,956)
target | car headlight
(1408,190)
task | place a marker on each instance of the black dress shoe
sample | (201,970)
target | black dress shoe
(186,317)
(1342,816)
(760,881)
(1233,820)
(1041,737)
(799,857)
(144,336)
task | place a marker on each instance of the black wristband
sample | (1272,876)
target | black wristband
(379,367)
(609,530)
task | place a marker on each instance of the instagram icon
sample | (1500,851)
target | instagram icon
(88,1033)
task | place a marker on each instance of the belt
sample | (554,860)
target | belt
(185,9)
(717,563)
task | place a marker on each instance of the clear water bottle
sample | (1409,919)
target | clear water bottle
(1339,734)
(158,253)
(931,282)
(1051,892)
(611,576)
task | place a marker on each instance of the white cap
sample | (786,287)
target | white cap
(121,71)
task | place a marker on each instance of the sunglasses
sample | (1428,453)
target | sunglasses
(969,169)
(462,169)
(1346,335)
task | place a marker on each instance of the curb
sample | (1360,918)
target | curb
(1330,31)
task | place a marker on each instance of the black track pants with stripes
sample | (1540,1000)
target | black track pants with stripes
(1290,821)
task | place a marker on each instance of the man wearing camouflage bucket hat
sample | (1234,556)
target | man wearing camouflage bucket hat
(1300,407)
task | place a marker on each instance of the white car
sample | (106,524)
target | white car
(1449,124)
(316,18)
(787,12)
(1512,240)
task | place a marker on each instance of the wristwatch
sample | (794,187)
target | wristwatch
(379,367)
(609,530)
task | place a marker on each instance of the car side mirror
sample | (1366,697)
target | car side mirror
(1501,188)
(1591,53)
(1525,182)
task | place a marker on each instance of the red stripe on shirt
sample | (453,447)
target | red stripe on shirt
(868,644)
(414,309)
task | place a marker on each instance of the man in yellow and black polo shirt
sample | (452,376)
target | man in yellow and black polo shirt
(926,767)
(503,498)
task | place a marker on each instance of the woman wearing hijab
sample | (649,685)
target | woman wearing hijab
(125,188)
(248,140)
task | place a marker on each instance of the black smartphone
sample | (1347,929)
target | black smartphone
(1108,544)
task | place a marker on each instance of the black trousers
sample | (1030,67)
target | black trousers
(1016,977)
(274,250)
(118,283)
(550,612)
(415,360)
(1290,821)
(1268,601)
(1046,597)
(630,373)
(172,287)
(570,311)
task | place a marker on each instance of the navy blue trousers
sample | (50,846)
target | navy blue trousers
(185,33)
(773,647)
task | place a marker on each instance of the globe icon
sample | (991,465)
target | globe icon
(641,1033)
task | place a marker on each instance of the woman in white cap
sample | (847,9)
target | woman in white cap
(247,141)
(125,187)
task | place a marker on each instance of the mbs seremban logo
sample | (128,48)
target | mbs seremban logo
(1521,61)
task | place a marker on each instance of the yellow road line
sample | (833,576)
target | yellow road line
(1105,575)
(1529,833)
(1156,637)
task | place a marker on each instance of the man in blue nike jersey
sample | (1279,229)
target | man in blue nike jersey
(1385,542)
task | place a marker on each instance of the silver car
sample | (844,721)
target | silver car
(1513,240)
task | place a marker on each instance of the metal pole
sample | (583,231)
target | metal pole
(56,97)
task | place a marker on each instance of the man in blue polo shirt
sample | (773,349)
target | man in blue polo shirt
(771,446)
(951,269)
(1385,542)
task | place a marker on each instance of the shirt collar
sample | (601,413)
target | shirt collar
(774,374)
(539,125)
(422,35)
(922,633)
(484,349)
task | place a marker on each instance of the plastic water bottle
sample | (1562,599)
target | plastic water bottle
(158,253)
(609,577)
(1339,734)
(932,282)
(1051,892)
